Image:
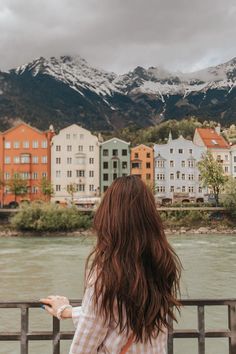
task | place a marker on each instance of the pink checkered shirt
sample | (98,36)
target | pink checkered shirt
(93,336)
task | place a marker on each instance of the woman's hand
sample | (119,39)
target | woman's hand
(53,303)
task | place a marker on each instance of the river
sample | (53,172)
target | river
(35,267)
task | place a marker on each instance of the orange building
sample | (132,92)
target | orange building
(25,152)
(142,163)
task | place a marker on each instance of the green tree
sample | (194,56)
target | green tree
(212,174)
(47,188)
(17,185)
(71,190)
(229,196)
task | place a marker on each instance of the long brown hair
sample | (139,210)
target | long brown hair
(136,269)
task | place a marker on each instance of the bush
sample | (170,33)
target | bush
(49,217)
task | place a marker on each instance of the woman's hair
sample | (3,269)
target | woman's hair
(137,271)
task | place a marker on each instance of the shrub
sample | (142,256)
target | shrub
(49,217)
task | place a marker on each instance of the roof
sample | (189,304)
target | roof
(112,139)
(212,139)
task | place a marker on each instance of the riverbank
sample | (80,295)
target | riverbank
(9,232)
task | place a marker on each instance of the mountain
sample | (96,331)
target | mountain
(68,90)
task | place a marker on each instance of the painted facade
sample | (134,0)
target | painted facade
(142,163)
(216,144)
(177,177)
(75,164)
(25,152)
(114,161)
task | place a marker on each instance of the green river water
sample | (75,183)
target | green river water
(35,267)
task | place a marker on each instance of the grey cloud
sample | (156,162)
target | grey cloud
(119,34)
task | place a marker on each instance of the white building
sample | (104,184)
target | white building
(233,160)
(177,177)
(75,164)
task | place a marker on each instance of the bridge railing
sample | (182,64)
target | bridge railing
(56,335)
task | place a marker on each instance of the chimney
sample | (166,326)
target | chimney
(218,128)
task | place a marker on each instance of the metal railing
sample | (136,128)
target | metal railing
(24,336)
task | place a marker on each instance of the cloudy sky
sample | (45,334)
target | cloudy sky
(118,35)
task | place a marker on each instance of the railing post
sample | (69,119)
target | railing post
(201,329)
(56,336)
(170,339)
(24,330)
(232,328)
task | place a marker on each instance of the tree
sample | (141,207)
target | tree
(47,188)
(17,185)
(229,196)
(212,174)
(72,189)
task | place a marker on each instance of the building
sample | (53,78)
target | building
(75,164)
(142,163)
(177,177)
(213,141)
(233,160)
(114,161)
(26,154)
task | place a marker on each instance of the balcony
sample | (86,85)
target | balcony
(55,335)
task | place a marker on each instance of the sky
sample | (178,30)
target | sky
(118,35)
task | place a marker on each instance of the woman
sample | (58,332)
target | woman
(132,277)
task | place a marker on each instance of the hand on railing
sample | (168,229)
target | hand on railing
(58,306)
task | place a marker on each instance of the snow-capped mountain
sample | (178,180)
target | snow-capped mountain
(67,89)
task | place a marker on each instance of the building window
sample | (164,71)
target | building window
(135,164)
(91,187)
(190,151)
(7,175)
(7,144)
(148,176)
(200,189)
(115,152)
(7,159)
(69,148)
(91,148)
(81,187)
(183,189)
(183,176)
(114,176)
(191,189)
(16,159)
(160,176)
(35,159)
(26,144)
(226,169)
(172,176)
(69,173)
(171,151)
(178,174)
(34,189)
(182,163)
(25,158)
(148,165)
(35,175)
(234,158)
(91,173)
(80,148)
(105,176)
(80,173)
(91,160)
(44,174)
(58,187)
(136,155)
(218,158)
(160,163)
(124,152)
(44,159)
(172,188)
(191,163)
(180,151)
(44,144)
(25,175)
(191,177)
(234,168)
(105,152)
(148,155)
(124,164)
(105,165)
(58,147)
(161,189)
(58,173)
(67,136)
(69,160)
(114,164)
(35,144)
(58,160)
(16,144)
(171,163)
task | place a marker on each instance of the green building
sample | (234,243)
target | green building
(114,161)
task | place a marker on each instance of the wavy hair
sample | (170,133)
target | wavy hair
(137,271)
